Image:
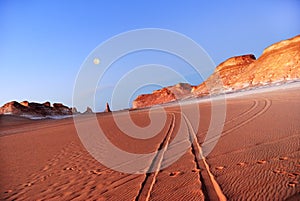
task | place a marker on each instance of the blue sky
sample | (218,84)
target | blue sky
(44,43)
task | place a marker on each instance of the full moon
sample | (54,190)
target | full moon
(96,61)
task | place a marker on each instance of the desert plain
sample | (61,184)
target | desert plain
(256,157)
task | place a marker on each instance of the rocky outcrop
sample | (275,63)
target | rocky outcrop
(225,76)
(74,110)
(107,108)
(24,103)
(47,104)
(164,95)
(88,110)
(35,109)
(279,63)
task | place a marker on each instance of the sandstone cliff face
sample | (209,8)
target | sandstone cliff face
(35,109)
(279,62)
(225,76)
(164,95)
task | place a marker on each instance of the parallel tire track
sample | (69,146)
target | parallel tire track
(150,179)
(266,106)
(211,188)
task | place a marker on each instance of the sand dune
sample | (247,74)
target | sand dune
(257,156)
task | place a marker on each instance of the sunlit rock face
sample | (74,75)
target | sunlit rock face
(35,109)
(279,63)
(163,95)
(88,111)
(225,76)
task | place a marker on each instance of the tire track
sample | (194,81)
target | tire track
(253,107)
(267,105)
(150,179)
(211,188)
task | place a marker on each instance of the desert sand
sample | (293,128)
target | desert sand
(257,156)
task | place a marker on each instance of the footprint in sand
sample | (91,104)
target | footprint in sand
(175,173)
(28,184)
(195,170)
(220,168)
(72,168)
(277,171)
(69,168)
(261,161)
(96,172)
(43,178)
(293,183)
(283,158)
(8,191)
(242,164)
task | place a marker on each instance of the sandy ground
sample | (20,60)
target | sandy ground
(257,156)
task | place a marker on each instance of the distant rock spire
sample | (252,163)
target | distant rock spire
(107,108)
(88,111)
(74,110)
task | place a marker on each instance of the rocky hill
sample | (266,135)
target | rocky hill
(36,109)
(163,95)
(279,63)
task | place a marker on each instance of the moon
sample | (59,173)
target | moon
(96,61)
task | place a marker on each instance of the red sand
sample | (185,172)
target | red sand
(256,158)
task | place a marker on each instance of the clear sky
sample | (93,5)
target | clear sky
(44,43)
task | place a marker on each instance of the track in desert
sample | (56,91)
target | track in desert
(254,158)
(208,185)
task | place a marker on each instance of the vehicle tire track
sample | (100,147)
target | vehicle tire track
(151,175)
(211,188)
(267,105)
(252,108)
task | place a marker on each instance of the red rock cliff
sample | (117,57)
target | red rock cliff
(163,95)
(35,109)
(279,62)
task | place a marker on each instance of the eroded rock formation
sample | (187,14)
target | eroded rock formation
(163,95)
(279,63)
(107,108)
(88,110)
(35,109)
